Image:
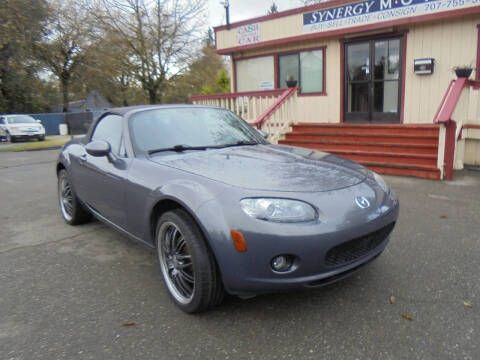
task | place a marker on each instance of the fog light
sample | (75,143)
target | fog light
(282,263)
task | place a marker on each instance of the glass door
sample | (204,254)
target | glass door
(372,81)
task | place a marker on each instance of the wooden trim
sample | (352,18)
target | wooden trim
(275,71)
(342,80)
(285,52)
(404,77)
(234,70)
(477,70)
(403,21)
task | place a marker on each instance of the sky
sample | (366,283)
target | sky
(245,9)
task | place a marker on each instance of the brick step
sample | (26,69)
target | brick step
(389,169)
(377,129)
(330,146)
(302,137)
(404,160)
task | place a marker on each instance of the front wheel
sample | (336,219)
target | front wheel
(11,139)
(72,211)
(187,264)
(41,138)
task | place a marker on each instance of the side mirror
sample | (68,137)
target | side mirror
(98,148)
(262,133)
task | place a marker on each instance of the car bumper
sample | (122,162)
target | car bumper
(311,245)
(29,135)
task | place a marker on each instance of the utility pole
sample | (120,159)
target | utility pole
(226,5)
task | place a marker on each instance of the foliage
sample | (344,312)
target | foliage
(273,9)
(63,47)
(129,51)
(21,25)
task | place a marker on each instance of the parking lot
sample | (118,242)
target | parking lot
(68,292)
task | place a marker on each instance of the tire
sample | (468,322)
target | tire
(11,139)
(41,138)
(70,207)
(189,271)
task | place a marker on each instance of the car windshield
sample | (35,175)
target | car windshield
(24,119)
(180,129)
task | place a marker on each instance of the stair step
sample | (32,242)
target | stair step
(387,158)
(426,173)
(304,137)
(378,129)
(329,146)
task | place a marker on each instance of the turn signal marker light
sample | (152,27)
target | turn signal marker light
(238,241)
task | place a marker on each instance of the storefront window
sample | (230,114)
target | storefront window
(288,69)
(305,67)
(253,74)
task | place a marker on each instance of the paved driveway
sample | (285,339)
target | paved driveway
(65,292)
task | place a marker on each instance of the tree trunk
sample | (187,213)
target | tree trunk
(64,85)
(152,95)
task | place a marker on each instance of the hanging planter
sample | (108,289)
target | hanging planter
(463,71)
(291,82)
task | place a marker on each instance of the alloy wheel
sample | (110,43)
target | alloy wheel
(176,262)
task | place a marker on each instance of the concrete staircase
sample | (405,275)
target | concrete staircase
(407,150)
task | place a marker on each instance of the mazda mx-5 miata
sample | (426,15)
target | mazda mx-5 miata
(224,209)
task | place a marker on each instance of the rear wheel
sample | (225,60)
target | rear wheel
(187,264)
(41,138)
(72,211)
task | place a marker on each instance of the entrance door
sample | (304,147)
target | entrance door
(373,81)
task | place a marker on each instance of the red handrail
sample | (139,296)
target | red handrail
(263,93)
(444,116)
(267,113)
(450,100)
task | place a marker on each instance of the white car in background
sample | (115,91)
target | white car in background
(20,127)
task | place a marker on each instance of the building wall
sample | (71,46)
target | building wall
(451,43)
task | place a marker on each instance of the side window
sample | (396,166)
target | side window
(2,121)
(109,128)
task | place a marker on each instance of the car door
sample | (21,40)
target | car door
(101,180)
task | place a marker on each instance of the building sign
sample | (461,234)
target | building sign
(249,34)
(374,11)
(266,85)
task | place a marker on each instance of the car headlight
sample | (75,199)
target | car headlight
(279,210)
(381,182)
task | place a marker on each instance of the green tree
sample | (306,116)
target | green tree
(159,37)
(273,9)
(63,48)
(205,75)
(22,24)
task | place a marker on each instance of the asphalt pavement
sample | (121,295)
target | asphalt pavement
(69,292)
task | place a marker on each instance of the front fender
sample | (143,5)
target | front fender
(190,195)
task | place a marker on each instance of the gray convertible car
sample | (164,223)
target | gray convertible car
(224,209)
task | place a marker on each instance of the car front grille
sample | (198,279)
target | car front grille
(352,250)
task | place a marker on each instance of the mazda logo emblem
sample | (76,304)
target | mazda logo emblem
(362,202)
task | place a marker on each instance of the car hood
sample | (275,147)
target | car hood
(269,167)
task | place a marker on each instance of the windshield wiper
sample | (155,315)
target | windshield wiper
(181,148)
(178,148)
(241,143)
